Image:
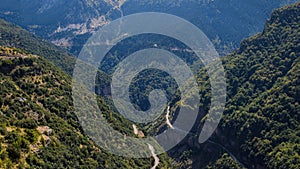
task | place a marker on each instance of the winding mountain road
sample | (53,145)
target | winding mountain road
(151,148)
(167,118)
(156,159)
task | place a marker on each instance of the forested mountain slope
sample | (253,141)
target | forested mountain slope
(260,126)
(38,126)
(14,36)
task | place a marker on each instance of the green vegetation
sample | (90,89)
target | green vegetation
(260,125)
(38,127)
(14,36)
(224,162)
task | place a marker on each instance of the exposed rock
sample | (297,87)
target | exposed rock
(45,130)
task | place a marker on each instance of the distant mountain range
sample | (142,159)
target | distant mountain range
(70,23)
(63,22)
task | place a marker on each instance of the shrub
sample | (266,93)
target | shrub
(28,123)
(14,152)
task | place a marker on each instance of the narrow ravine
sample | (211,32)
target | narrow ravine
(172,127)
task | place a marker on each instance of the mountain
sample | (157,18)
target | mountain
(225,22)
(66,23)
(260,126)
(38,126)
(14,36)
(70,24)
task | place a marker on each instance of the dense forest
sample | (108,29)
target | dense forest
(260,126)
